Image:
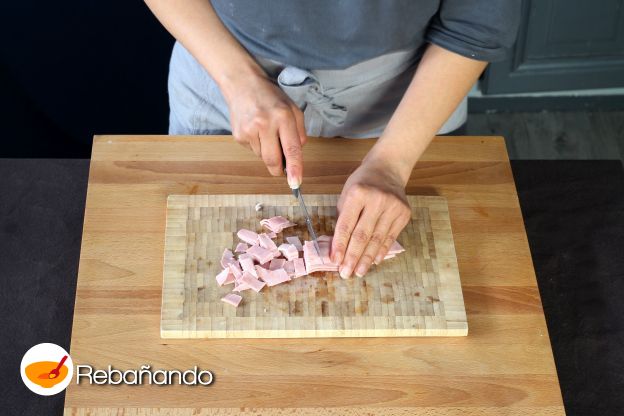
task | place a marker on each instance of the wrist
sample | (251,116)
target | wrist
(233,79)
(396,159)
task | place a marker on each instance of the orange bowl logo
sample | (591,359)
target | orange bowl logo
(47,369)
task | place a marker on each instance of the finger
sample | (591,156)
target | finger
(377,238)
(393,233)
(244,137)
(359,239)
(345,224)
(300,120)
(255,145)
(271,151)
(291,146)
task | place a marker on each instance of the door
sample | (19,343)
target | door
(563,45)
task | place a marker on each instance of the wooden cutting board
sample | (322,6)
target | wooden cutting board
(418,293)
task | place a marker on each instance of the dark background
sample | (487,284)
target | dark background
(72,69)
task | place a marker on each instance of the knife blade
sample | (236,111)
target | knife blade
(297,194)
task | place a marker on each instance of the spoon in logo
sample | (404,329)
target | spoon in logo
(54,373)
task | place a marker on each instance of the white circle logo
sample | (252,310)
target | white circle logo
(47,369)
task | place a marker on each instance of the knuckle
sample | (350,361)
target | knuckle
(390,238)
(292,150)
(247,130)
(342,229)
(260,119)
(271,160)
(282,113)
(357,190)
(339,245)
(376,239)
(360,236)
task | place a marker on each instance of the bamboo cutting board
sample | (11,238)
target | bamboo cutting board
(418,293)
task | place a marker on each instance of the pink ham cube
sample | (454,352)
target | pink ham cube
(275,277)
(232,299)
(247,236)
(241,248)
(247,265)
(255,284)
(226,258)
(276,264)
(276,224)
(260,254)
(300,269)
(225,277)
(294,240)
(289,251)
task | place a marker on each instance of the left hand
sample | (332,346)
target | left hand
(372,211)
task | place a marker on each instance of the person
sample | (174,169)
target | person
(272,72)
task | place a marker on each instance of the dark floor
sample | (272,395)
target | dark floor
(555,135)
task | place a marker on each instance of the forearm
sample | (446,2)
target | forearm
(441,81)
(195,24)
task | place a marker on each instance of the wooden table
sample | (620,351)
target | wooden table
(503,367)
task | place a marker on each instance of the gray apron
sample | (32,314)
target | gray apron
(356,102)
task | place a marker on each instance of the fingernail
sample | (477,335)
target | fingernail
(378,260)
(293,182)
(345,272)
(360,271)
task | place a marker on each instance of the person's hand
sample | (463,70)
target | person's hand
(372,211)
(264,119)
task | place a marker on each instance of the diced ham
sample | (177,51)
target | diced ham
(272,269)
(276,224)
(255,284)
(247,265)
(236,270)
(316,262)
(225,277)
(300,269)
(289,251)
(263,273)
(396,248)
(294,240)
(232,299)
(276,264)
(289,267)
(266,242)
(275,277)
(226,258)
(239,286)
(260,254)
(244,256)
(247,236)
(241,248)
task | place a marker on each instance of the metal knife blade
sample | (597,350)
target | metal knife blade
(308,220)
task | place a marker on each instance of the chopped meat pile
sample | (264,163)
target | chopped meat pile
(260,262)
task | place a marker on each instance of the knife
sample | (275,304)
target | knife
(297,194)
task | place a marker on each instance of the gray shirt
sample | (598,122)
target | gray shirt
(335,34)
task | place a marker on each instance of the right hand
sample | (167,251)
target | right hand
(265,120)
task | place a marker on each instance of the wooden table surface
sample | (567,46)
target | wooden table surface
(503,367)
